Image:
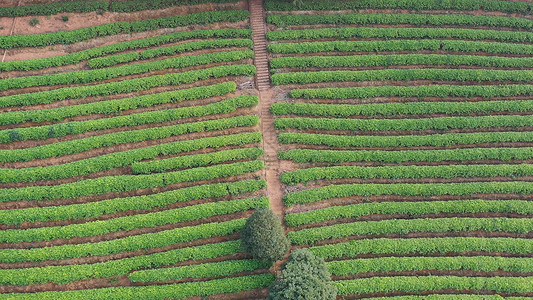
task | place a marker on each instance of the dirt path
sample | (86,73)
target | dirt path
(270,145)
(11,32)
(270,139)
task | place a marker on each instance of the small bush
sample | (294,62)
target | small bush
(263,236)
(304,276)
(64,18)
(34,22)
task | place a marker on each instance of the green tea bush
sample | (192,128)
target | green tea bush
(83,34)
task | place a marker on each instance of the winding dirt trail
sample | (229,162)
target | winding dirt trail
(270,139)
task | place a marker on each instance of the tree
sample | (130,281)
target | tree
(304,276)
(263,236)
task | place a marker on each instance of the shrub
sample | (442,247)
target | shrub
(76,57)
(53,8)
(207,270)
(87,76)
(486,5)
(416,284)
(64,18)
(110,268)
(396,33)
(365,19)
(170,291)
(130,243)
(401,45)
(87,33)
(263,236)
(460,75)
(34,22)
(406,226)
(305,276)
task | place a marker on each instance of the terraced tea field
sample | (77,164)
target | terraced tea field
(405,129)
(141,153)
(394,137)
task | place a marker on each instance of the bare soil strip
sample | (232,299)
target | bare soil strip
(270,139)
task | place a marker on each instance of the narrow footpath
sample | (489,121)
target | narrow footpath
(11,32)
(270,139)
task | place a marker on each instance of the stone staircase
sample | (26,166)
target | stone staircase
(257,21)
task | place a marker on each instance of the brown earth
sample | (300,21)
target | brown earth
(274,167)
(54,23)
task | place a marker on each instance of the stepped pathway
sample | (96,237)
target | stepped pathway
(270,139)
(257,21)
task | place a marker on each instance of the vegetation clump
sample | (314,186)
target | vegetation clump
(34,22)
(263,236)
(304,276)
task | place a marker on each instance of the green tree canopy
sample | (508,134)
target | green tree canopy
(263,236)
(304,276)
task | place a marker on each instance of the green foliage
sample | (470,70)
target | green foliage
(436,140)
(263,236)
(435,283)
(76,57)
(123,137)
(34,22)
(397,172)
(171,291)
(455,5)
(130,157)
(395,19)
(451,297)
(116,106)
(136,5)
(399,264)
(460,75)
(64,18)
(52,8)
(401,109)
(407,189)
(420,92)
(115,205)
(423,246)
(418,208)
(148,220)
(405,226)
(112,60)
(391,156)
(198,160)
(216,269)
(442,123)
(304,276)
(401,45)
(87,76)
(303,62)
(130,243)
(159,116)
(124,183)
(396,33)
(69,273)
(126,86)
(83,34)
